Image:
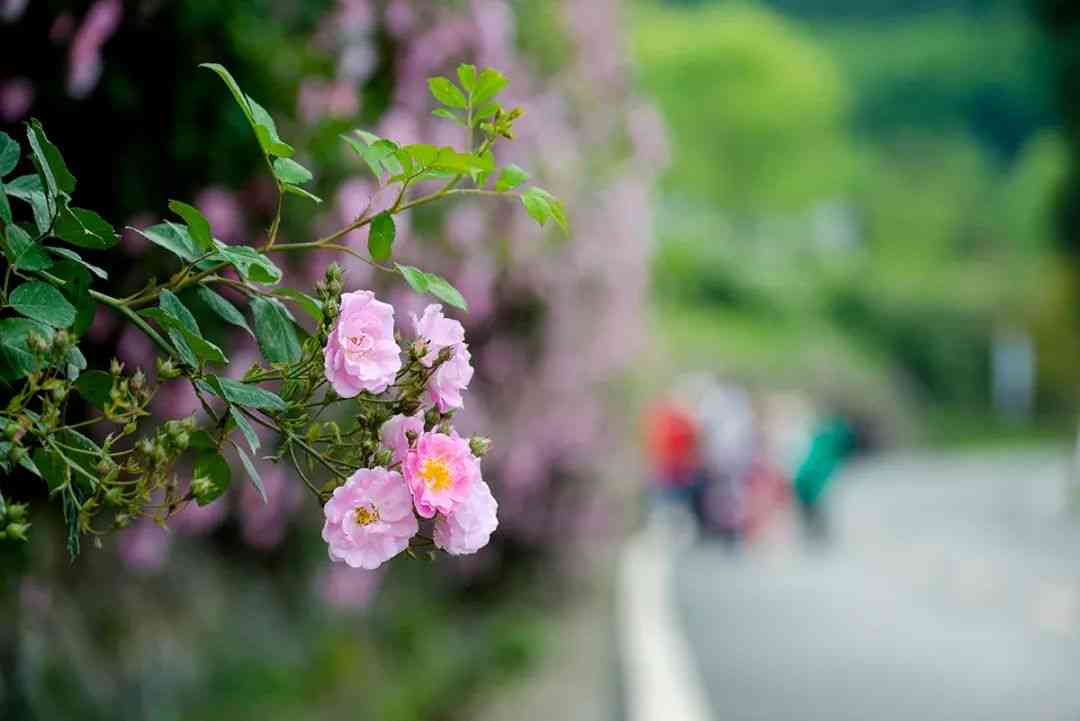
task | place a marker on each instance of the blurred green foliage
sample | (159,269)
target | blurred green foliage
(866,187)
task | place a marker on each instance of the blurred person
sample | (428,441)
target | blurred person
(832,442)
(729,447)
(673,443)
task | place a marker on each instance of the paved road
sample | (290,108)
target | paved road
(951,590)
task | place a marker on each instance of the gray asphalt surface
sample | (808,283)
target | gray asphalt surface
(950,590)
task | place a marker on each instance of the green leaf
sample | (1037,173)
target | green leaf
(75,257)
(23,253)
(489,84)
(198,225)
(245,394)
(423,282)
(16,360)
(381,236)
(173,238)
(52,467)
(76,289)
(467,76)
(202,441)
(49,162)
(28,188)
(42,302)
(71,520)
(174,309)
(250,264)
(290,171)
(275,331)
(266,131)
(309,305)
(74,362)
(441,289)
(446,114)
(9,154)
(510,177)
(96,387)
(223,308)
(536,205)
(245,428)
(297,190)
(237,93)
(211,468)
(446,92)
(84,228)
(5,207)
(252,472)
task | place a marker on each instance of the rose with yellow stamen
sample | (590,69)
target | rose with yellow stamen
(440,471)
(370,519)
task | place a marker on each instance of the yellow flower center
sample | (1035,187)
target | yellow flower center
(366,515)
(436,474)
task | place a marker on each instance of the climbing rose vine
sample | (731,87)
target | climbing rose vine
(361,410)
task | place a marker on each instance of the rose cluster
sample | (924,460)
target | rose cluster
(433,475)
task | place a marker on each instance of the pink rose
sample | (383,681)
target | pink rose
(369,520)
(392,435)
(452,377)
(361,353)
(470,526)
(440,471)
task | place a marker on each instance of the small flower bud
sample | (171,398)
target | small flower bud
(166,370)
(130,428)
(122,520)
(17,531)
(11,430)
(114,497)
(138,380)
(479,445)
(116,367)
(383,457)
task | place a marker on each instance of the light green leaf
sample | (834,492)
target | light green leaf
(223,308)
(441,289)
(211,477)
(510,177)
(172,237)
(381,236)
(446,92)
(297,190)
(74,362)
(237,93)
(290,171)
(266,131)
(9,154)
(447,115)
(42,302)
(275,331)
(96,387)
(245,428)
(23,253)
(84,228)
(467,76)
(198,225)
(489,84)
(252,472)
(416,278)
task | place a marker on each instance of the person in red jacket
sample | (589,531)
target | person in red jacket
(673,440)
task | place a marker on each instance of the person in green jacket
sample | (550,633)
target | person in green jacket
(832,442)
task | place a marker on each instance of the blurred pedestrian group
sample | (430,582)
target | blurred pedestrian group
(736,459)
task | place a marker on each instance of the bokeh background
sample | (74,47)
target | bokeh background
(868,203)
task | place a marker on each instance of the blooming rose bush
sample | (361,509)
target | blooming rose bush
(365,419)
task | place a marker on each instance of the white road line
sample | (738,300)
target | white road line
(661,678)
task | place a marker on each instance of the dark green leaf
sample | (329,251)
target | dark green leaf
(446,92)
(42,302)
(309,305)
(174,309)
(510,177)
(9,154)
(467,76)
(245,428)
(297,190)
(76,289)
(275,331)
(75,257)
(381,236)
(245,394)
(29,189)
(198,226)
(489,84)
(71,520)
(173,238)
(52,467)
(96,388)
(16,360)
(290,171)
(49,162)
(266,132)
(237,93)
(23,253)
(223,308)
(201,440)
(252,472)
(84,228)
(5,207)
(211,477)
